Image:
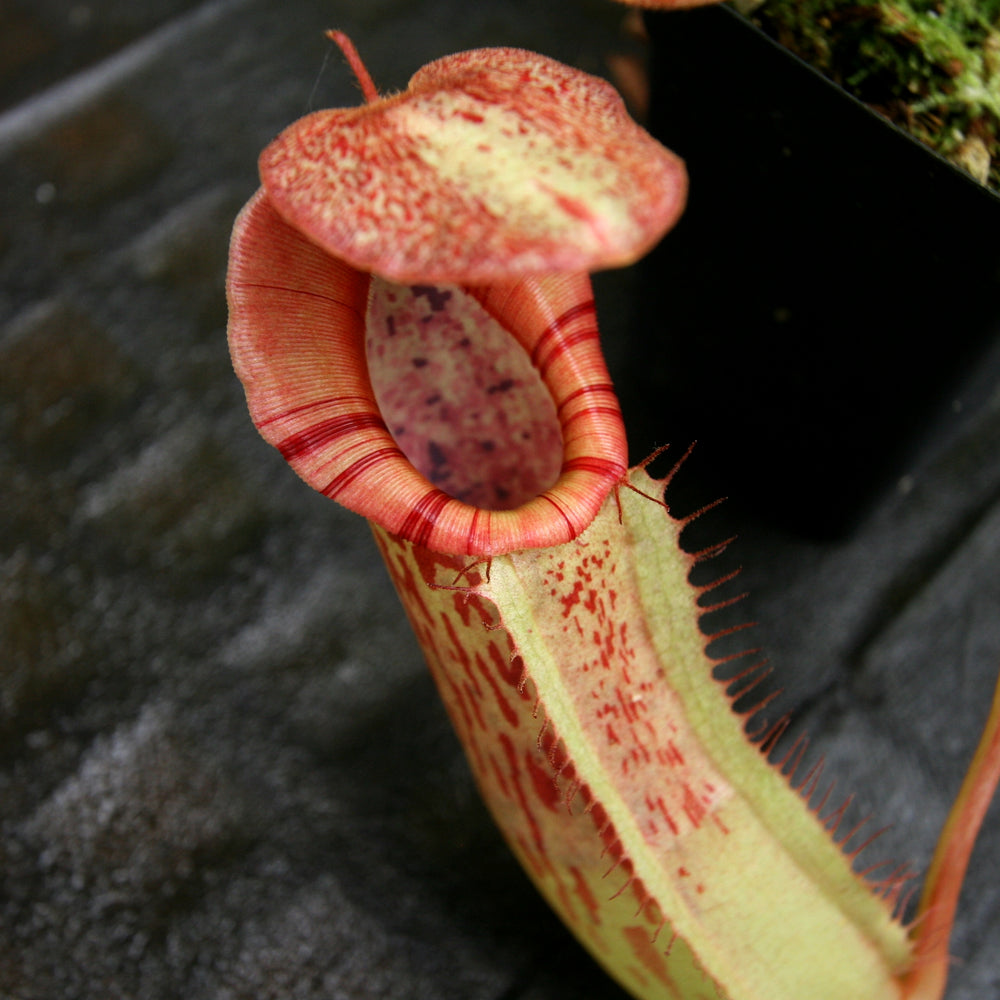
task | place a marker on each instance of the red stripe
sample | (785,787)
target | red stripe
(262,286)
(336,401)
(566,344)
(569,524)
(600,466)
(474,525)
(326,431)
(553,329)
(358,468)
(594,411)
(420,521)
(586,390)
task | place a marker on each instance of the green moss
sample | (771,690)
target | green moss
(931,66)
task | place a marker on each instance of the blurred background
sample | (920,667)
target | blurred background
(224,771)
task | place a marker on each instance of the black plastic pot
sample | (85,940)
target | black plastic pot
(830,280)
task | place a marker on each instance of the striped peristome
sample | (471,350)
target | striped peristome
(298,336)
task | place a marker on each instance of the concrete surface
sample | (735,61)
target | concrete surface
(224,772)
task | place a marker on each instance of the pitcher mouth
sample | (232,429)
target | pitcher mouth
(299,323)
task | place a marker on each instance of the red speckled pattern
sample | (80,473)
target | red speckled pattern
(563,837)
(494,163)
(471,414)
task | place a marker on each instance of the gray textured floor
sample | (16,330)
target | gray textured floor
(223,770)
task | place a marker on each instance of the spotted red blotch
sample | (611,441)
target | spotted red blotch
(492,164)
